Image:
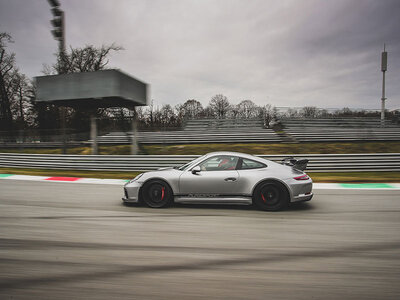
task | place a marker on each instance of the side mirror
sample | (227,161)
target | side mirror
(196,170)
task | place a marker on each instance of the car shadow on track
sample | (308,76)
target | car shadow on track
(301,206)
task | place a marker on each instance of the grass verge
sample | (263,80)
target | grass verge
(349,177)
(281,148)
(356,177)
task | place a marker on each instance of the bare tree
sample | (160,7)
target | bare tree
(190,109)
(77,60)
(7,70)
(219,105)
(233,112)
(268,114)
(345,111)
(151,112)
(322,113)
(247,109)
(168,118)
(21,104)
(309,111)
(292,113)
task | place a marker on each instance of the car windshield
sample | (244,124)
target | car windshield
(186,166)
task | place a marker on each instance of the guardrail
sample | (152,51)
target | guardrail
(317,163)
(207,135)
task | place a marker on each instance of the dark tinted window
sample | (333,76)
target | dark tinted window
(251,164)
(219,163)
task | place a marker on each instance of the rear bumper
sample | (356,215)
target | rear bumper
(303,197)
(301,190)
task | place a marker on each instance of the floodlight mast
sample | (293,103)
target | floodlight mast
(383,69)
(59,35)
(58,25)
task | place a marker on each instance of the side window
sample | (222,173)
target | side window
(251,164)
(219,163)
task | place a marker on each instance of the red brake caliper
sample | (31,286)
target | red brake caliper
(162,193)
(262,196)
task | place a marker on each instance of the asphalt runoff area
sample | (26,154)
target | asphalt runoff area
(78,241)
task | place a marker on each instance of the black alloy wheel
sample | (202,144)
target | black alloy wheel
(271,196)
(157,194)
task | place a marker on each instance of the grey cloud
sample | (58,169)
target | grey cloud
(287,53)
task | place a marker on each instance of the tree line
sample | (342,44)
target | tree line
(19,111)
(167,116)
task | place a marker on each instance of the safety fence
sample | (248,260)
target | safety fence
(317,162)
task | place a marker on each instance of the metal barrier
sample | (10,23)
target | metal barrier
(249,135)
(317,163)
(340,129)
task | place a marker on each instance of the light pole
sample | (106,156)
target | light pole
(59,35)
(58,24)
(383,69)
(58,28)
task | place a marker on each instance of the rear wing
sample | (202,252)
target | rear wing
(295,164)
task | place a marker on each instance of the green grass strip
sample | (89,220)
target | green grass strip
(6,175)
(366,185)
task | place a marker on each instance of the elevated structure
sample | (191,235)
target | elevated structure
(92,90)
(105,88)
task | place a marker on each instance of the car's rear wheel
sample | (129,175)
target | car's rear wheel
(271,196)
(157,194)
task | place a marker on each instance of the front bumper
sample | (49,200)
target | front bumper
(131,192)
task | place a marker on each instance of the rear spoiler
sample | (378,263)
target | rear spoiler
(295,164)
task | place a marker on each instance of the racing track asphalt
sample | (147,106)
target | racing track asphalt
(77,241)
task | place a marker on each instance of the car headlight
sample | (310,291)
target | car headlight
(136,178)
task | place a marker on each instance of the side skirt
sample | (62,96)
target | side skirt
(214,200)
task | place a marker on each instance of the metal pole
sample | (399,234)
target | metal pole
(60,27)
(61,49)
(64,137)
(93,133)
(134,143)
(383,69)
(383,101)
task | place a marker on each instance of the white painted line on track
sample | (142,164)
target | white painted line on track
(26,177)
(325,186)
(101,181)
(64,179)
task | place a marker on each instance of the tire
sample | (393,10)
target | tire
(271,196)
(157,194)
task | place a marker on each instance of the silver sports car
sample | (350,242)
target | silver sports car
(224,177)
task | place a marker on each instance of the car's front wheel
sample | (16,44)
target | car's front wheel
(271,196)
(157,194)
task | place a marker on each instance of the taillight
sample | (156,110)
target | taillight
(302,177)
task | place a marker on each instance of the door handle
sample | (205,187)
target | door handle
(230,179)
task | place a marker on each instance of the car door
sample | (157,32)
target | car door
(218,177)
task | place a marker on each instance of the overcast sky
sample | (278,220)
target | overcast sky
(286,53)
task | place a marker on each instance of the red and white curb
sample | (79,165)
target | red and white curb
(316,186)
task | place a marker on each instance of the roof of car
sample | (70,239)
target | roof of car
(233,153)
